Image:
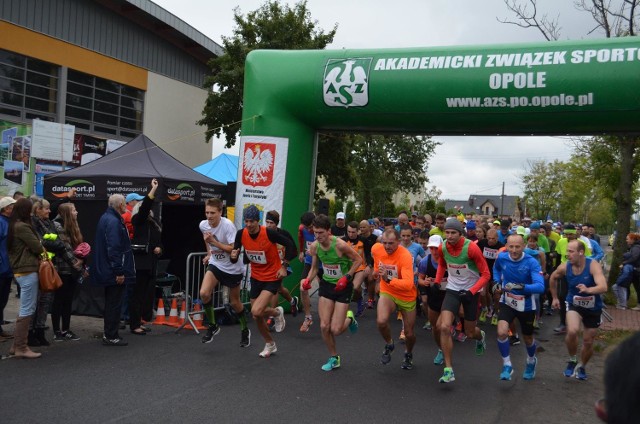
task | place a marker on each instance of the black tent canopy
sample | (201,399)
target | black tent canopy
(129,169)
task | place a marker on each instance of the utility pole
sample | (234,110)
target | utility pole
(502,200)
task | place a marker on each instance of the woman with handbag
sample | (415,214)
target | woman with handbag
(147,247)
(25,250)
(66,224)
(46,230)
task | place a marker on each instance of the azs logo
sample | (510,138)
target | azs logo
(346,82)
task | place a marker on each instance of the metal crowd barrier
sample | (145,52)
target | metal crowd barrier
(195,273)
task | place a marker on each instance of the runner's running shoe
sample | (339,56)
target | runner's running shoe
(448,376)
(370,303)
(481,345)
(571,369)
(269,349)
(306,324)
(427,326)
(407,364)
(213,330)
(386,354)
(514,340)
(483,315)
(332,363)
(530,370)
(280,322)
(353,326)
(439,359)
(245,339)
(507,370)
(494,320)
(581,373)
(294,306)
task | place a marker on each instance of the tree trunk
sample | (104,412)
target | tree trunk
(624,202)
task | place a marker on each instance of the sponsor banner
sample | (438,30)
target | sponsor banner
(261,174)
(180,192)
(52,141)
(85,188)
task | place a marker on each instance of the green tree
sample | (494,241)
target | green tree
(541,187)
(374,167)
(612,18)
(272,26)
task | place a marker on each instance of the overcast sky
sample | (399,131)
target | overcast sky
(486,161)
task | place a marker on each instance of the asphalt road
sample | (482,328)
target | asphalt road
(166,377)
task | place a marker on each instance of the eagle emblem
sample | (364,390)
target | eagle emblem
(257,167)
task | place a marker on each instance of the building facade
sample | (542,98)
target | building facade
(111,68)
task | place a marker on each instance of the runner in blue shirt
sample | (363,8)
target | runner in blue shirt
(518,276)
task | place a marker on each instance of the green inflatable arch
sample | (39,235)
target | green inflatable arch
(552,88)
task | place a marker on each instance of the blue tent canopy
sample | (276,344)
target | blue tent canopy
(223,168)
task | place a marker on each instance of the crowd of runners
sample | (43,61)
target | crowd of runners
(457,272)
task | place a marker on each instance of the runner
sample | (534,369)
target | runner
(439,228)
(417,253)
(219,233)
(369,239)
(432,293)
(267,271)
(339,262)
(305,239)
(585,282)
(393,268)
(490,248)
(357,243)
(518,279)
(272,220)
(468,275)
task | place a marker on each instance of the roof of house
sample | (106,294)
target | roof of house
(476,201)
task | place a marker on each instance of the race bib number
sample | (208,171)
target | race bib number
(490,253)
(257,256)
(459,270)
(219,255)
(390,270)
(332,270)
(515,301)
(584,301)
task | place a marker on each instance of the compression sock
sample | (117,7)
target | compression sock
(503,347)
(242,318)
(208,311)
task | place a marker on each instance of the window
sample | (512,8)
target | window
(104,106)
(28,87)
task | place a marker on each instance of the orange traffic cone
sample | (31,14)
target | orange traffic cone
(198,319)
(173,315)
(183,313)
(161,318)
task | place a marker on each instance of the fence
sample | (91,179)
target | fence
(194,275)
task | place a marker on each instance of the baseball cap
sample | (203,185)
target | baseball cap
(496,222)
(520,230)
(414,213)
(133,196)
(340,215)
(471,225)
(6,201)
(504,223)
(434,241)
(535,225)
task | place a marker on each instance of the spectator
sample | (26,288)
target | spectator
(132,200)
(340,228)
(6,276)
(66,224)
(24,249)
(146,247)
(113,266)
(630,261)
